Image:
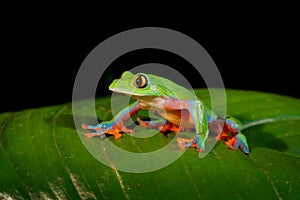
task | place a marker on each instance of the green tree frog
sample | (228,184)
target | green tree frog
(178,107)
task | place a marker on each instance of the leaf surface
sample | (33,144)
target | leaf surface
(41,156)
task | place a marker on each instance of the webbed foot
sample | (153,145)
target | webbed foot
(195,142)
(239,140)
(164,126)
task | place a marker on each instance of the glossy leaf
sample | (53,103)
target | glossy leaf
(41,156)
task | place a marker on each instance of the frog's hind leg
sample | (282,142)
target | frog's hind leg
(232,133)
(199,117)
(239,140)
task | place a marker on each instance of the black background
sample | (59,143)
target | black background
(42,60)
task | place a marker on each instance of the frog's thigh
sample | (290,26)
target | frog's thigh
(175,104)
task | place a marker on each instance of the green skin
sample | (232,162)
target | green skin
(180,109)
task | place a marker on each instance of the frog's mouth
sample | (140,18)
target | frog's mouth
(121,91)
(127,92)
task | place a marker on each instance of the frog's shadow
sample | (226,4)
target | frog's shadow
(262,138)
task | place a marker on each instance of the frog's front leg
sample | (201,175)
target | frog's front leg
(116,125)
(164,126)
(151,124)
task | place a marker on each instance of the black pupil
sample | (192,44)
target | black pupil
(139,81)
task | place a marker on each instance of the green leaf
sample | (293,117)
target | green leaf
(41,156)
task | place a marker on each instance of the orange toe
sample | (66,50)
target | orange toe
(181,145)
(89,135)
(84,126)
(117,136)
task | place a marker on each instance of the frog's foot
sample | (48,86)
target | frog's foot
(151,124)
(105,128)
(239,140)
(195,142)
(91,127)
(98,130)
(164,126)
(159,124)
(225,135)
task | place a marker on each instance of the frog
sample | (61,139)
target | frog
(178,108)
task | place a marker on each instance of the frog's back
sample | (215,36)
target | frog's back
(170,89)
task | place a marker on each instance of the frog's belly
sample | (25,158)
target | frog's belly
(181,118)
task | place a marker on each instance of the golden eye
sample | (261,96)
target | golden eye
(140,81)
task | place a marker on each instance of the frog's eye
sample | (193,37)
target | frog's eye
(140,81)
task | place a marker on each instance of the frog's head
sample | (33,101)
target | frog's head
(137,85)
